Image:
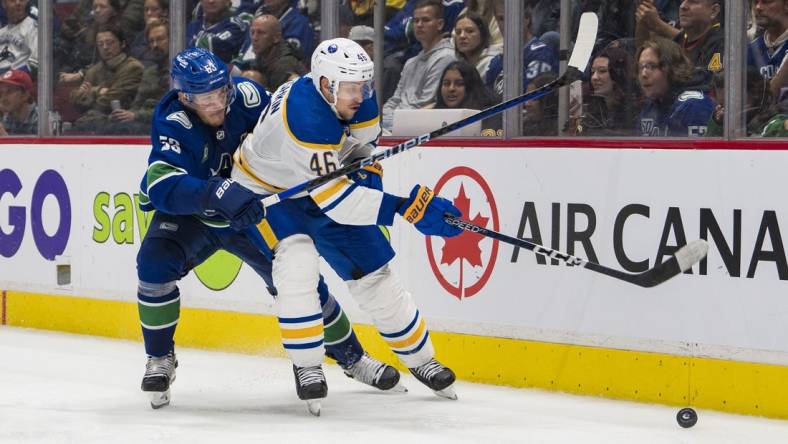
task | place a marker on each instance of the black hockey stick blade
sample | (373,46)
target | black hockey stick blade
(578,61)
(681,261)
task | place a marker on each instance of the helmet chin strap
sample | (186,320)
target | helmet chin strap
(332,103)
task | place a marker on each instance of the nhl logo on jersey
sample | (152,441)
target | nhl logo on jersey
(220,135)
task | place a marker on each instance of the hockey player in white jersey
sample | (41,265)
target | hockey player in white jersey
(311,126)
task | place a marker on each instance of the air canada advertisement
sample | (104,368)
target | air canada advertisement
(628,209)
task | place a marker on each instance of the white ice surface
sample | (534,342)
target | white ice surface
(60,388)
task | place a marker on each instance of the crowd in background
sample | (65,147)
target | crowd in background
(657,67)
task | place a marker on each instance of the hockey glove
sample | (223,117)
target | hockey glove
(233,202)
(370,176)
(425,210)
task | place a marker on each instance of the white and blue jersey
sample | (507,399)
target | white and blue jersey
(686,116)
(538,58)
(766,60)
(299,138)
(186,152)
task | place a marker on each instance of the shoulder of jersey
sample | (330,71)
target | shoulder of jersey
(249,93)
(690,96)
(308,119)
(170,113)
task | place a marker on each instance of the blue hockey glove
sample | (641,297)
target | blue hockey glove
(233,202)
(425,210)
(370,176)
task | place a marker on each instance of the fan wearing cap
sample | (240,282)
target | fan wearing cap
(18,103)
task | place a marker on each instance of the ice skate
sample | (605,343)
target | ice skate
(159,374)
(436,376)
(372,372)
(311,386)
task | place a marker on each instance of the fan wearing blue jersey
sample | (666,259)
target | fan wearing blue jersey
(197,127)
(538,58)
(676,104)
(313,124)
(768,51)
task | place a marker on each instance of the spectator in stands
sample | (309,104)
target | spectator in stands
(363,10)
(462,87)
(155,10)
(253,74)
(18,38)
(74,50)
(421,74)
(701,36)
(485,9)
(656,18)
(768,51)
(398,36)
(616,19)
(545,16)
(472,42)
(218,30)
(675,102)
(296,28)
(275,58)
(763,117)
(115,77)
(610,108)
(541,115)
(154,84)
(130,16)
(538,58)
(364,36)
(18,103)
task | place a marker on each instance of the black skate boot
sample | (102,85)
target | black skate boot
(372,372)
(436,376)
(159,374)
(311,386)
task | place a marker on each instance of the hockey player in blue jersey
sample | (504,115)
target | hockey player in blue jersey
(313,124)
(196,129)
(676,104)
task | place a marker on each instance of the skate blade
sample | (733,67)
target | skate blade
(313,405)
(447,393)
(159,399)
(399,388)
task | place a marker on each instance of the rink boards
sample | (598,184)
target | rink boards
(715,338)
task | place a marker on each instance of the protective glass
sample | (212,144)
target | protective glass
(355,90)
(212,101)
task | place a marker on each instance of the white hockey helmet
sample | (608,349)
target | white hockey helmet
(341,60)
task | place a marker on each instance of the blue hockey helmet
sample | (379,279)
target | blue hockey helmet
(202,77)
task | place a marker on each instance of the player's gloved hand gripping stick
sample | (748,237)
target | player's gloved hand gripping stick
(681,261)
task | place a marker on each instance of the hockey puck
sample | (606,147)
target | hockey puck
(686,417)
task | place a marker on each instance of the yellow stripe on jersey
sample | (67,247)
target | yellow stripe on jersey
(315,146)
(412,339)
(365,124)
(331,191)
(240,160)
(300,333)
(268,234)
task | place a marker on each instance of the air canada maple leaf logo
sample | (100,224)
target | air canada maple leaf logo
(466,245)
(466,261)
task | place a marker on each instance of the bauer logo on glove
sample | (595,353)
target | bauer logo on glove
(415,211)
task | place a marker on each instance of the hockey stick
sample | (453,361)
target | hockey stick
(586,37)
(681,261)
